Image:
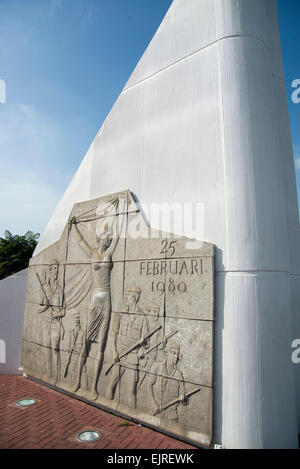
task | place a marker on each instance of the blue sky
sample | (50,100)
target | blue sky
(289,14)
(64,63)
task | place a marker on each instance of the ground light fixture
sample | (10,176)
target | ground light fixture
(88,436)
(26,402)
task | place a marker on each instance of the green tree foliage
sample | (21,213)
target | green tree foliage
(15,252)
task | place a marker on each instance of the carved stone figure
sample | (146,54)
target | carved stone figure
(129,331)
(171,389)
(52,328)
(154,319)
(100,305)
(76,339)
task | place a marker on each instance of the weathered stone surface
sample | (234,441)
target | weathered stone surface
(189,288)
(124,317)
(142,242)
(177,247)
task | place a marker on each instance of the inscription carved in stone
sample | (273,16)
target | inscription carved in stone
(122,315)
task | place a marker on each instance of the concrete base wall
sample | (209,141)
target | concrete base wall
(12,307)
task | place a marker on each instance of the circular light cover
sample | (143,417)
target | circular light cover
(26,402)
(89,436)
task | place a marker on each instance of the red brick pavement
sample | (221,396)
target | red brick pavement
(56,419)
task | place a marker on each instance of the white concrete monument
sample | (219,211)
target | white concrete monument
(204,120)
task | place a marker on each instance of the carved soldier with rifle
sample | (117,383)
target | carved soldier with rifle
(52,328)
(76,340)
(130,341)
(171,390)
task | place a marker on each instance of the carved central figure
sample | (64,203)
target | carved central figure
(99,312)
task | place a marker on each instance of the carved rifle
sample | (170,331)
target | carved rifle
(130,349)
(150,350)
(70,355)
(161,342)
(175,401)
(43,290)
(51,306)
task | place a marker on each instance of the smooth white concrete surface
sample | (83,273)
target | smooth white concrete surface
(203,119)
(12,307)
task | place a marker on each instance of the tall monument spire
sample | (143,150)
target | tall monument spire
(204,119)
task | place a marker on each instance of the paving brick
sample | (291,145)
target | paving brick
(56,419)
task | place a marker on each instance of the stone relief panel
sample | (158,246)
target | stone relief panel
(122,315)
